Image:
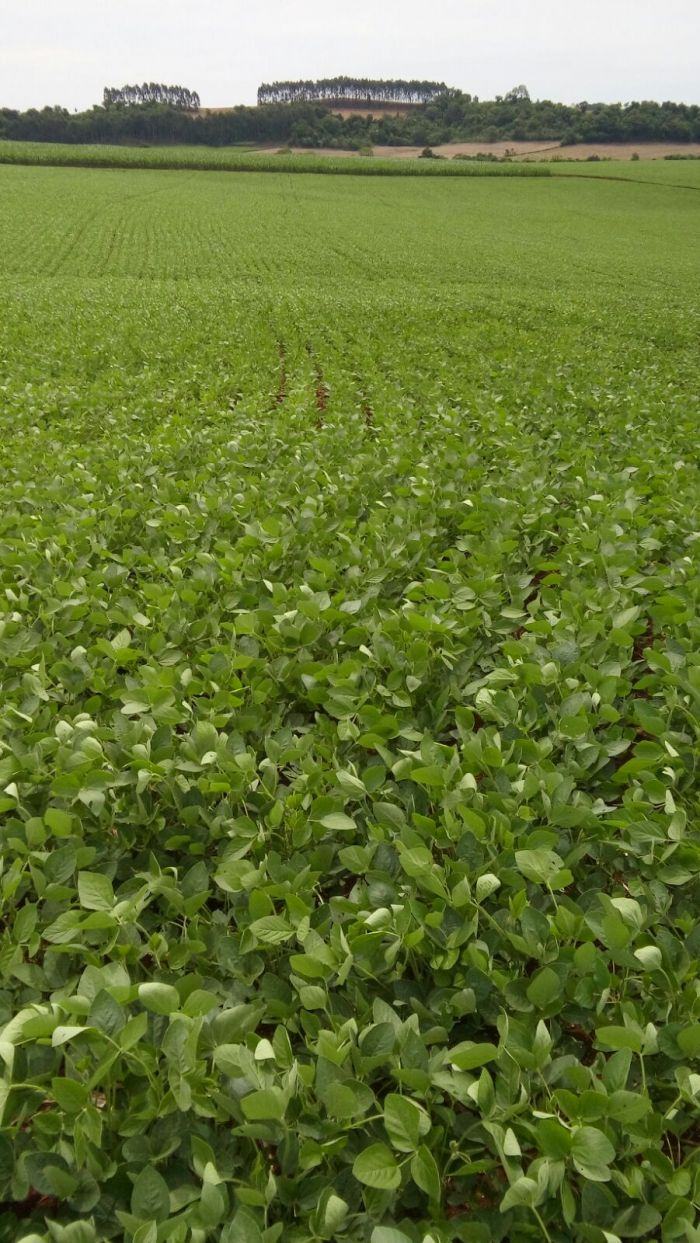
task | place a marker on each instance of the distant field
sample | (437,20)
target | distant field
(661,172)
(394,110)
(625,150)
(398,163)
(242,160)
(349,707)
(343,110)
(548,150)
(531,159)
(452,149)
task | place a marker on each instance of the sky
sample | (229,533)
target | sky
(66,51)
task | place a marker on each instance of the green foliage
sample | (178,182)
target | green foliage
(350,665)
(306,114)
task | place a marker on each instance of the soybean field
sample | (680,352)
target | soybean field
(350,712)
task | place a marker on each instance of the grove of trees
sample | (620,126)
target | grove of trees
(351,90)
(151,93)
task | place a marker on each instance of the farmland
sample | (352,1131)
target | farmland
(350,712)
(236,160)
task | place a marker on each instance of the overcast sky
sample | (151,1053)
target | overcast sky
(66,51)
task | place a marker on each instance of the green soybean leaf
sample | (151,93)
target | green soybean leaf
(405,1122)
(592,1153)
(266,1104)
(425,1173)
(470,1055)
(159,998)
(150,1198)
(376,1167)
(95,892)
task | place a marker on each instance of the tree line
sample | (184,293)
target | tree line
(150,93)
(451,117)
(350,90)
